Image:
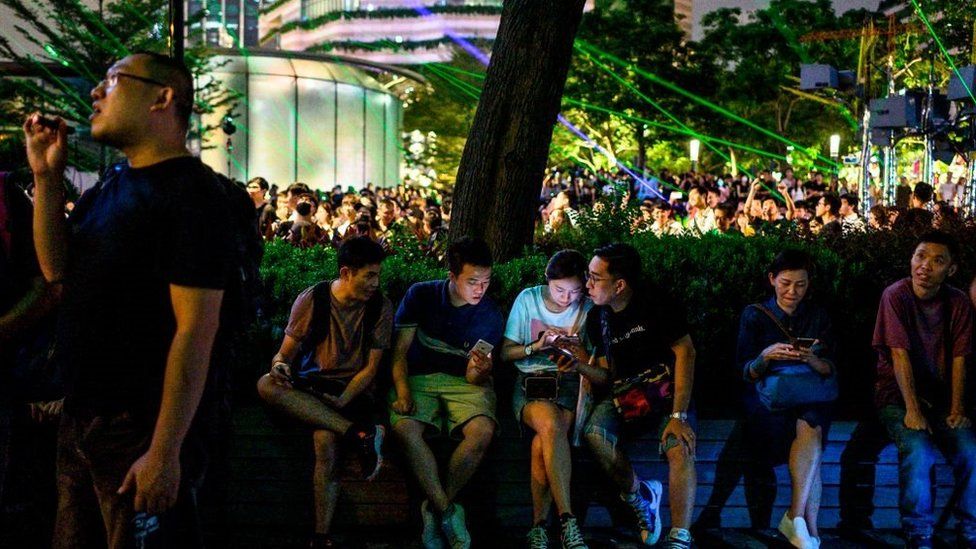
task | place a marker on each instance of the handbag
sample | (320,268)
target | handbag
(794,384)
(646,393)
(649,392)
(541,386)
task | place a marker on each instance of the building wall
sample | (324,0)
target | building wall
(306,127)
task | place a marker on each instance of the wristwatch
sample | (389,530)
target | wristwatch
(528,350)
(680,416)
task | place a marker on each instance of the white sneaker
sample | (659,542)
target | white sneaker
(431,536)
(537,538)
(796,532)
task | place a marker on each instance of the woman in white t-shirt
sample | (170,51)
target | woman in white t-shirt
(544,318)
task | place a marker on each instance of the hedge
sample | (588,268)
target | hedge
(714,276)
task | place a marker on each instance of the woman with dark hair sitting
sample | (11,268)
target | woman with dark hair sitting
(544,319)
(785,353)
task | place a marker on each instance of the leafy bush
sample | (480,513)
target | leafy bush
(714,276)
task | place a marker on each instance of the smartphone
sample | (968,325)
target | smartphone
(482,346)
(566,340)
(805,342)
(559,351)
(282,370)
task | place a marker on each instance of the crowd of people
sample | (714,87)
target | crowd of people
(686,205)
(143,268)
(696,204)
(305,217)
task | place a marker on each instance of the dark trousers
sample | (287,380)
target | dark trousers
(858,464)
(94,455)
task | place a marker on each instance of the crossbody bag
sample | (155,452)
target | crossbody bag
(793,383)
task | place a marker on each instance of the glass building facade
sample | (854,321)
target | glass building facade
(303,119)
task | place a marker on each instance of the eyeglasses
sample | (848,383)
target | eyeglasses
(112,78)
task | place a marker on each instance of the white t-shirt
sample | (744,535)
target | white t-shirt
(530,317)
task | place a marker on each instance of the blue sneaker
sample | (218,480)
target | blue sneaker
(646,502)
(678,538)
(919,542)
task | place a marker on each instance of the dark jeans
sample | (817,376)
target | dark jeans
(94,454)
(858,464)
(917,452)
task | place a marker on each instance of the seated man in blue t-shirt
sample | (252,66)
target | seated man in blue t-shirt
(443,384)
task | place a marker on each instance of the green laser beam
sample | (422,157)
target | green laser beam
(717,108)
(637,119)
(475,93)
(665,112)
(928,25)
(666,127)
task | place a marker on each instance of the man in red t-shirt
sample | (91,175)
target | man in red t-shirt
(923,336)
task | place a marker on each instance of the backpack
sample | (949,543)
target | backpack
(243,294)
(320,324)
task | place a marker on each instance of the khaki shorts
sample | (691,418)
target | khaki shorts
(445,402)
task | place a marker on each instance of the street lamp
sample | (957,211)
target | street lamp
(694,148)
(834,146)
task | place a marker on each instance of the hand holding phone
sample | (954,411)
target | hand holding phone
(805,343)
(482,347)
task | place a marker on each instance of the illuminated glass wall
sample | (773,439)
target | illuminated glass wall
(302,120)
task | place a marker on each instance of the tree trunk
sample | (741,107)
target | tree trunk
(500,174)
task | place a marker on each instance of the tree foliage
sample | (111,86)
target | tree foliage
(76,44)
(643,33)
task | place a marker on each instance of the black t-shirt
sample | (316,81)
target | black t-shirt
(641,335)
(915,219)
(130,238)
(266,218)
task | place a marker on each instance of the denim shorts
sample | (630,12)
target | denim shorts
(567,395)
(605,421)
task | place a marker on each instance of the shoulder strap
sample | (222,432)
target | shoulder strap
(320,324)
(775,320)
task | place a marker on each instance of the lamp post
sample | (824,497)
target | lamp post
(694,149)
(177,22)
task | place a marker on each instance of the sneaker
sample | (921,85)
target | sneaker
(431,536)
(321,541)
(795,531)
(370,447)
(537,538)
(454,529)
(570,534)
(645,502)
(919,542)
(678,538)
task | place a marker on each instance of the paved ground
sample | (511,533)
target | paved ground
(607,538)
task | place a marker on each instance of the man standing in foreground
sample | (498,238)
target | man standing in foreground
(143,261)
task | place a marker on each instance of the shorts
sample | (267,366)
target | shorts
(605,421)
(362,409)
(566,398)
(445,403)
